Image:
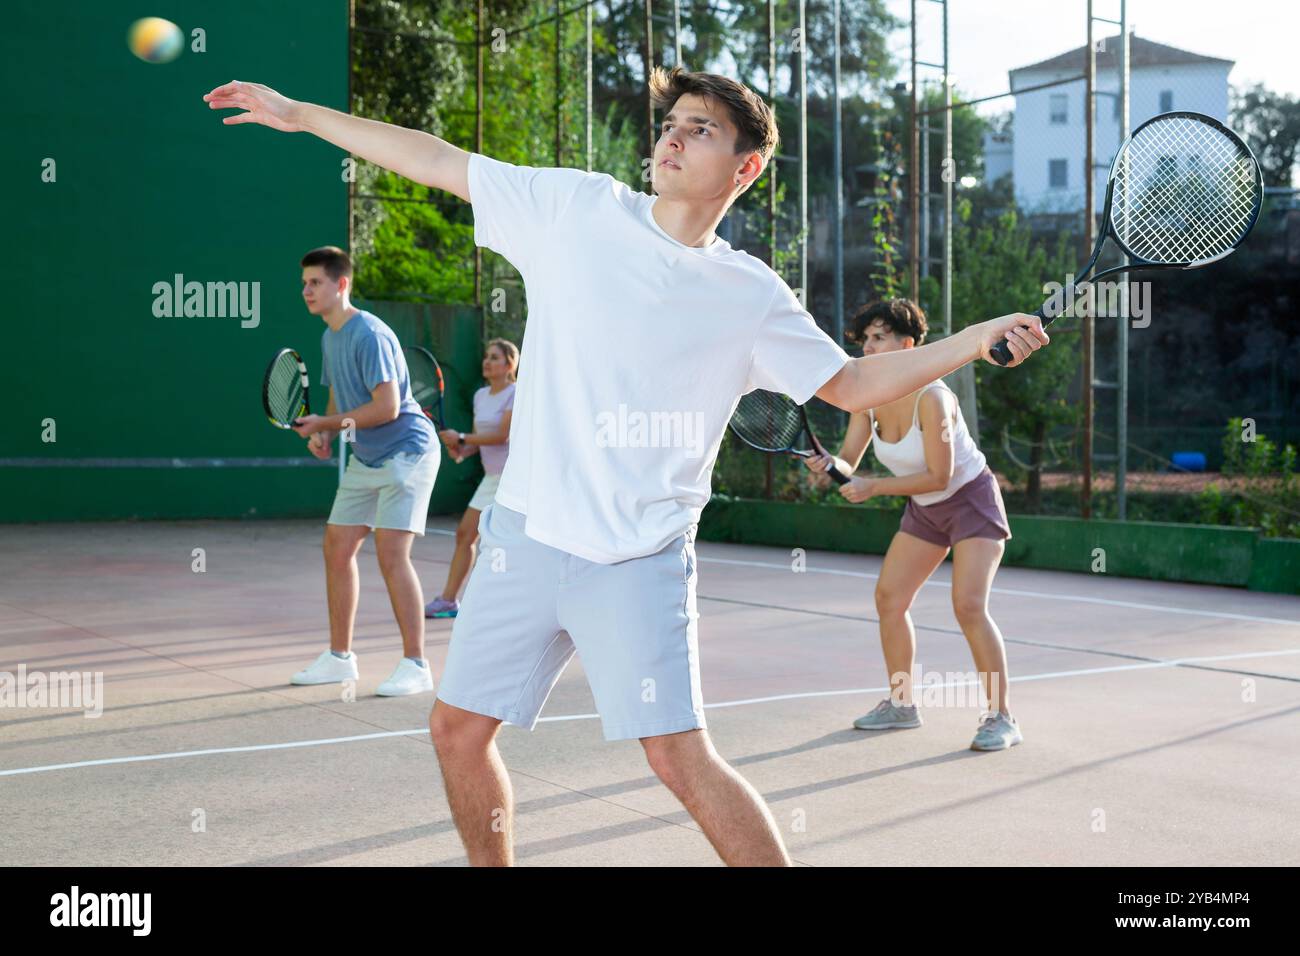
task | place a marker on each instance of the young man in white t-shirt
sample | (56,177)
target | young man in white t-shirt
(590,542)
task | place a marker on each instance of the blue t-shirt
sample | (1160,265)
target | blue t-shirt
(359,357)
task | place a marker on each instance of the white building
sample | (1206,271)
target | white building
(999,155)
(1048,133)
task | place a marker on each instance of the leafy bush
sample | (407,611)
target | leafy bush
(1272,502)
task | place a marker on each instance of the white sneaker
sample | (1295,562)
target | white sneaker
(327,669)
(409,678)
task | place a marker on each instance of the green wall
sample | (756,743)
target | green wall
(1161,551)
(149,184)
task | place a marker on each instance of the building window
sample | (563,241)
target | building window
(1166,100)
(1056,173)
(1059,107)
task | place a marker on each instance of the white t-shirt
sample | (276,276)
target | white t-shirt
(489,409)
(636,350)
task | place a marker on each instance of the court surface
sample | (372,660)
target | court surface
(1161,721)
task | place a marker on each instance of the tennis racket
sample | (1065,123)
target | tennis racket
(1184,191)
(774,423)
(426,382)
(284,389)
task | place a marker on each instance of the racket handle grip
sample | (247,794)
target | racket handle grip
(836,476)
(1002,352)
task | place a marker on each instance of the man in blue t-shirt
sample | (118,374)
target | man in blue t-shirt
(395,455)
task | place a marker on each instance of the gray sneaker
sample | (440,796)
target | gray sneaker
(996,732)
(888,716)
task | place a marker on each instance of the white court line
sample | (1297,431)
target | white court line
(1051,595)
(215,750)
(1052,675)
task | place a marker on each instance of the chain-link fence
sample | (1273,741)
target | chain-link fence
(1184,391)
(971,199)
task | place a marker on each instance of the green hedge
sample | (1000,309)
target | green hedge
(1161,551)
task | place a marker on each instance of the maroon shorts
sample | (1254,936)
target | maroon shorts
(974,510)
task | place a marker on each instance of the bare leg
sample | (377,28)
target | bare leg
(974,563)
(462,560)
(342,582)
(908,564)
(730,812)
(478,786)
(394,551)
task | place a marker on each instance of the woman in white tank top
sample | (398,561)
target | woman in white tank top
(953,502)
(490,440)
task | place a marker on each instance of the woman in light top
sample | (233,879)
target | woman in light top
(490,439)
(953,502)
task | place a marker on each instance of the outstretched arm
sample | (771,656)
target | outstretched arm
(420,157)
(875,380)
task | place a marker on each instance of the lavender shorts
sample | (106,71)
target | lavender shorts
(974,510)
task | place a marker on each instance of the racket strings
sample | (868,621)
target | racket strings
(769,421)
(1184,191)
(426,383)
(423,392)
(285,391)
(1180,180)
(1179,208)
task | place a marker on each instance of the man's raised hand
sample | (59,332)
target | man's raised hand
(261,104)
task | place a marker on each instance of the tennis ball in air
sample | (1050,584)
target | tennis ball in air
(155,40)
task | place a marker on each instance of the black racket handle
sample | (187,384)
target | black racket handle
(1002,352)
(837,476)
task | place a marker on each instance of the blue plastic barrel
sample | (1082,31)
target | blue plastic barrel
(1189,460)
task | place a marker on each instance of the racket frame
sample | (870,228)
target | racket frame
(1056,305)
(835,474)
(305,408)
(439,418)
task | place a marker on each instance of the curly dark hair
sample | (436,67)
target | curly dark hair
(903,317)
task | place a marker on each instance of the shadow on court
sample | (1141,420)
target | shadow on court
(1160,720)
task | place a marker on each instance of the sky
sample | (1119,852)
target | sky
(989,37)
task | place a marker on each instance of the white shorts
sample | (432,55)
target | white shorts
(529,606)
(395,495)
(485,493)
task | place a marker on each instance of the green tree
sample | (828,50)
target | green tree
(1271,499)
(1271,124)
(999,269)
(413,65)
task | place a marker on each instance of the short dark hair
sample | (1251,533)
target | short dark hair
(755,124)
(903,317)
(332,259)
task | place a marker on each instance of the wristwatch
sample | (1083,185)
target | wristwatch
(461,437)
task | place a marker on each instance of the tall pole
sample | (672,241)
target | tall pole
(964,379)
(948,184)
(677,32)
(805,294)
(478,148)
(838,328)
(588,106)
(649,100)
(771,101)
(559,83)
(1089,227)
(913,183)
(771,189)
(924,224)
(352,184)
(1121,430)
(351,197)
